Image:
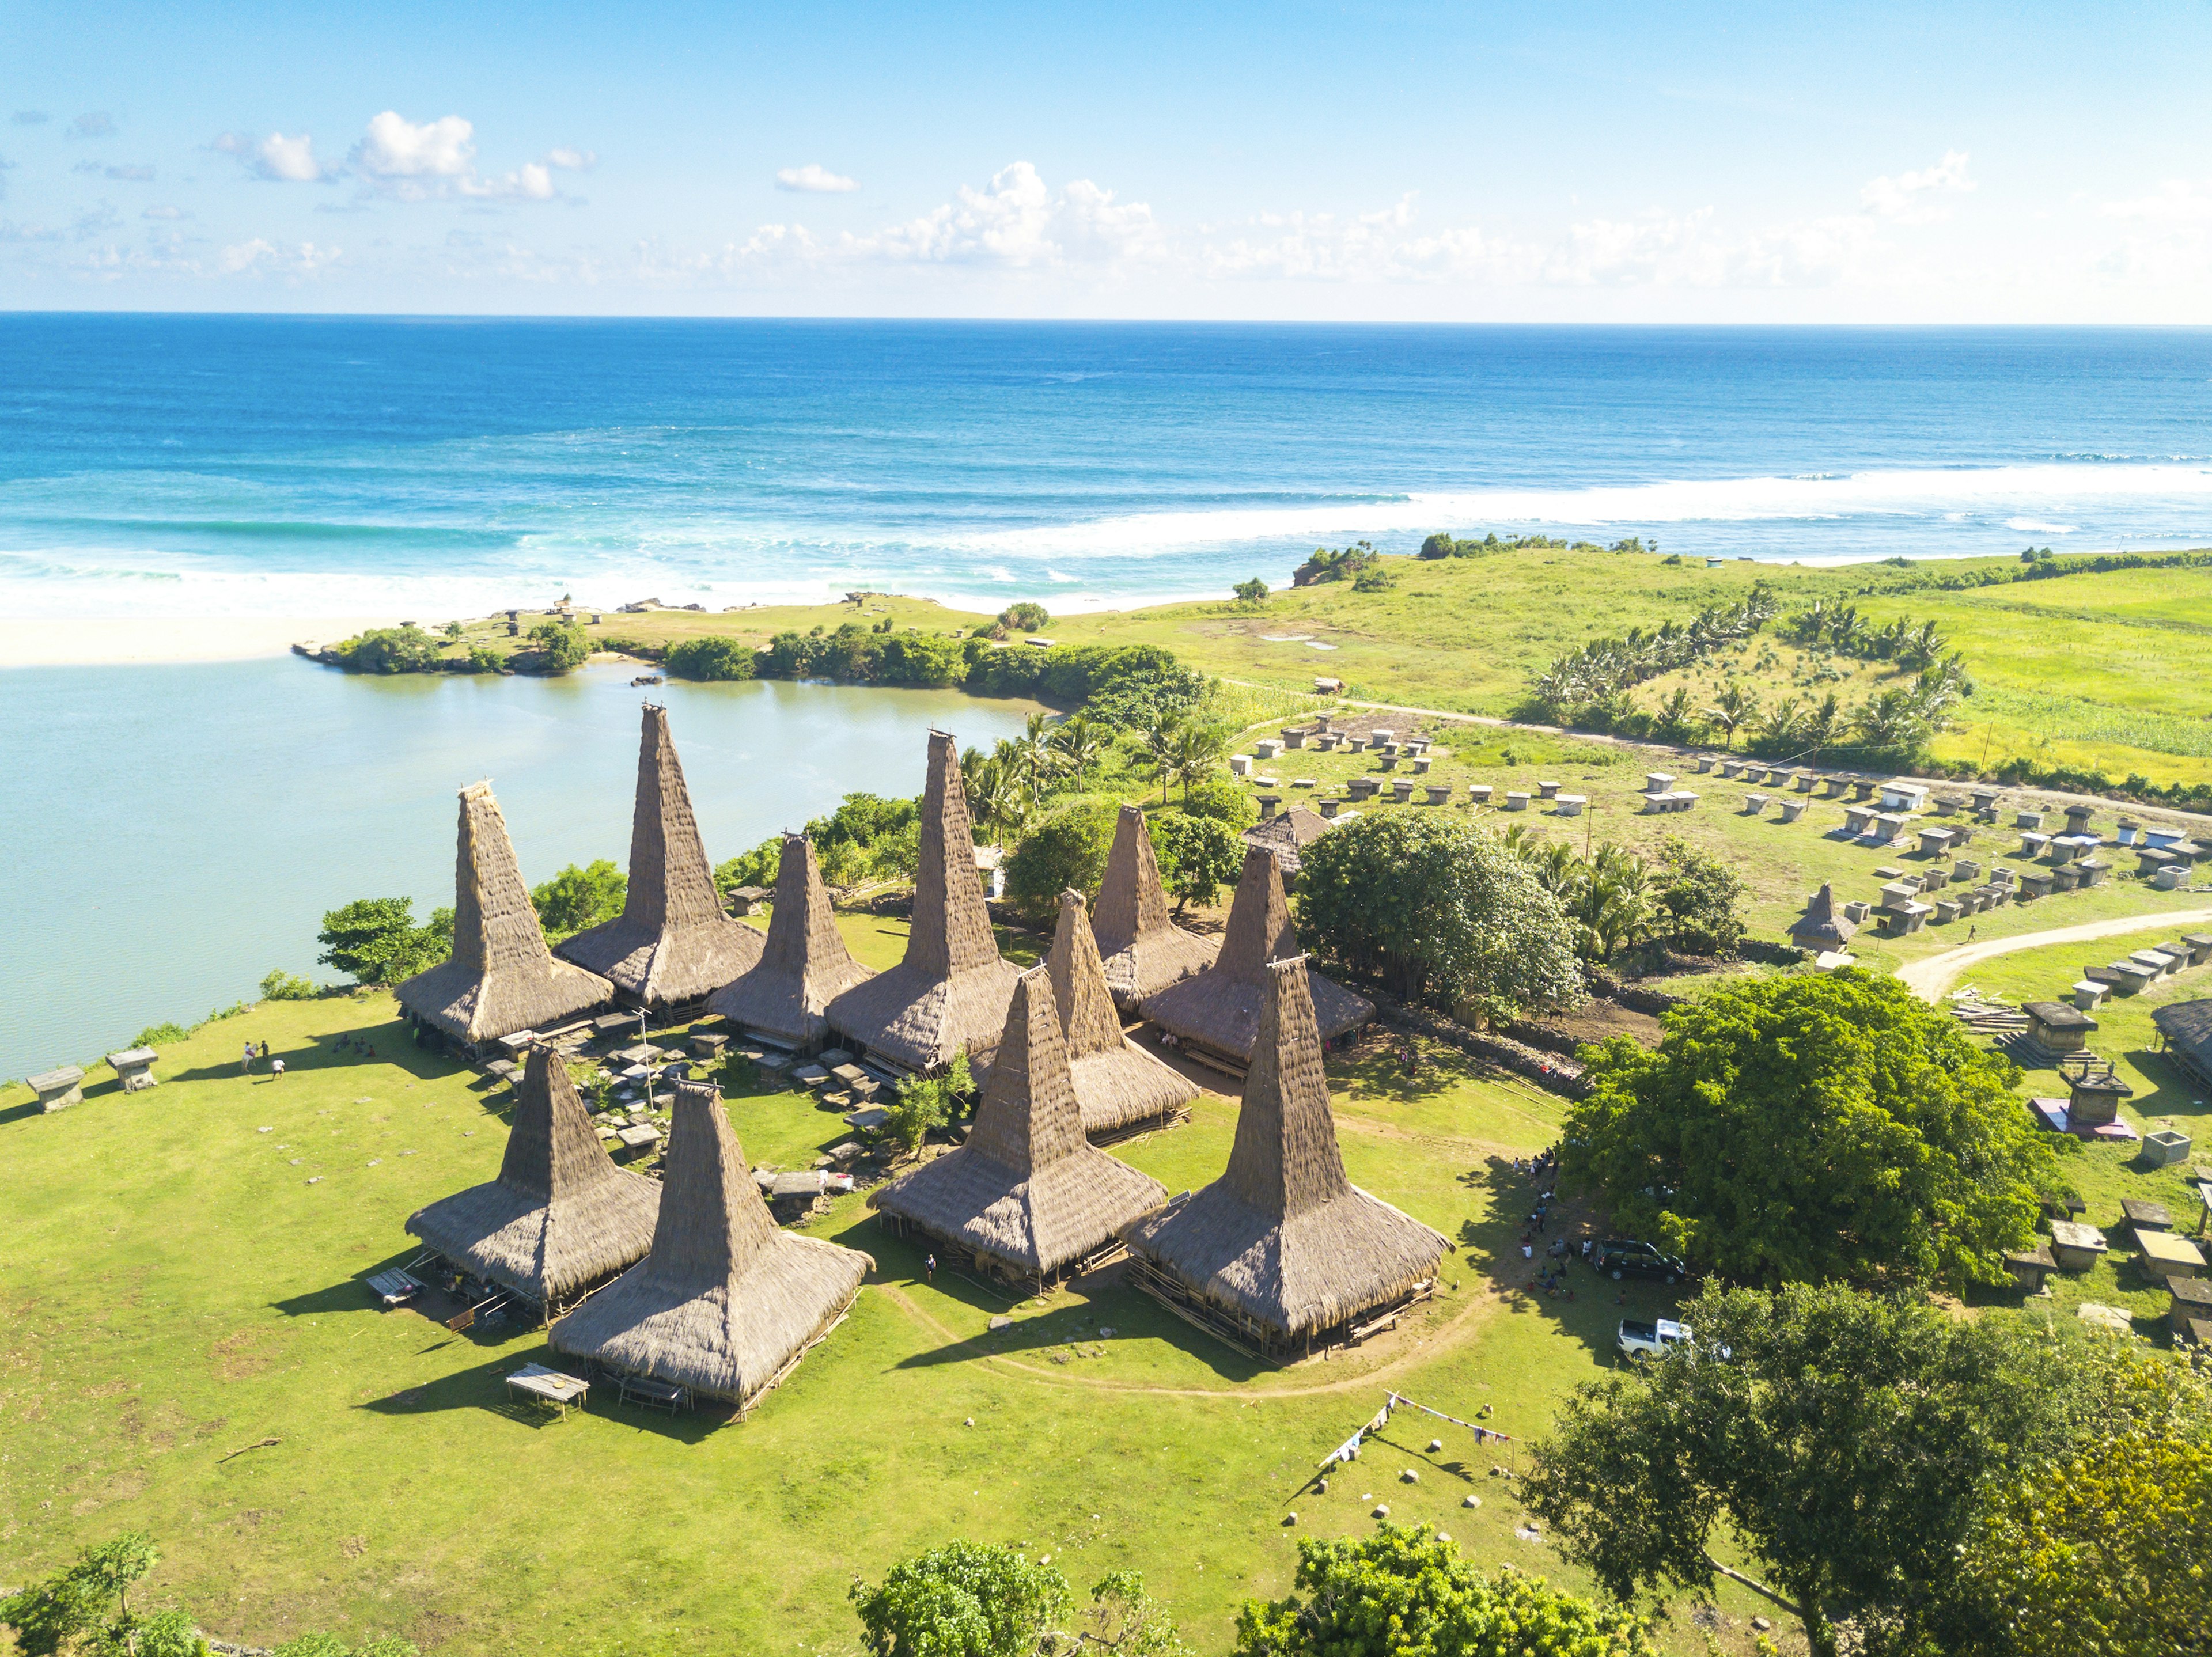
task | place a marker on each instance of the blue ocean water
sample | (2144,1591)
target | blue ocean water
(207,465)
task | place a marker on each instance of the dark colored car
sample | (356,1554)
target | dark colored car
(1624,1257)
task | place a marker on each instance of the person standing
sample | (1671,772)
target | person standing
(929,1269)
(277,1070)
(245,1064)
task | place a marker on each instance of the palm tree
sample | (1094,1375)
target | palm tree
(1160,740)
(1674,713)
(1734,706)
(1198,749)
(1821,725)
(1922,646)
(995,795)
(1081,744)
(1782,721)
(1614,904)
(1893,724)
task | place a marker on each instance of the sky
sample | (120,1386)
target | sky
(1554,162)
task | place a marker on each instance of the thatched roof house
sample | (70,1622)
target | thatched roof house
(1823,926)
(671,945)
(726,1302)
(1027,1196)
(2186,1027)
(805,965)
(1118,1085)
(501,978)
(561,1216)
(1283,1252)
(1143,950)
(1219,1008)
(1287,834)
(949,995)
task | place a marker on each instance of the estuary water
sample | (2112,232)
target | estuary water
(343,466)
(173,832)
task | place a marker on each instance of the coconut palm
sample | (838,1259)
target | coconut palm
(1821,725)
(1780,723)
(1734,706)
(1081,743)
(1160,739)
(1198,748)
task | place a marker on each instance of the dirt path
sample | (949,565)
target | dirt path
(1928,979)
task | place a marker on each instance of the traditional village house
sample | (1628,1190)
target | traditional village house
(1283,1254)
(949,995)
(672,945)
(1287,834)
(1823,928)
(560,1218)
(1119,1087)
(501,978)
(804,968)
(1218,1011)
(1027,1197)
(725,1304)
(1142,950)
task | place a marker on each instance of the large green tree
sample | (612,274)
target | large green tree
(1438,911)
(580,897)
(1067,850)
(963,1600)
(1405,1592)
(1198,855)
(1842,1439)
(1809,1128)
(376,940)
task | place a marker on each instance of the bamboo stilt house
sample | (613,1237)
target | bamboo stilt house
(1143,950)
(948,994)
(1283,1253)
(1118,1085)
(671,945)
(725,1303)
(1028,1197)
(561,1216)
(501,978)
(806,964)
(1218,1011)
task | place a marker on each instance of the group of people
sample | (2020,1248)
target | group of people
(1551,1277)
(245,1064)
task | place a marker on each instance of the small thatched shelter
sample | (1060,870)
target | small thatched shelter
(725,1303)
(949,995)
(1027,1197)
(1823,926)
(1283,1253)
(1218,1011)
(501,978)
(1143,950)
(1287,834)
(805,965)
(1119,1086)
(561,1216)
(672,945)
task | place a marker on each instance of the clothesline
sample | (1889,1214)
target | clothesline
(1350,1448)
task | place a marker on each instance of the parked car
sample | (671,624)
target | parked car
(1651,1340)
(1624,1257)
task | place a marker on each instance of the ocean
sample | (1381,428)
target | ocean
(170,465)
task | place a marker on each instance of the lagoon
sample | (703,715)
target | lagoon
(175,832)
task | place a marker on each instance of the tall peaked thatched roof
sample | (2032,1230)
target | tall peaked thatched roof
(671,943)
(1282,1239)
(561,1216)
(1117,1083)
(806,964)
(724,1302)
(1823,925)
(1027,1189)
(950,993)
(501,978)
(1143,950)
(1220,1006)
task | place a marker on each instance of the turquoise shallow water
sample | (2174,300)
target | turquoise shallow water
(173,832)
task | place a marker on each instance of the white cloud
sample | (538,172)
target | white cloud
(260,256)
(1019,222)
(814,179)
(397,147)
(572,160)
(1908,196)
(2178,201)
(278,158)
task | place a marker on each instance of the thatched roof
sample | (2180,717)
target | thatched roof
(2187,1027)
(1283,1238)
(1117,1083)
(1144,951)
(671,943)
(1287,834)
(805,965)
(948,994)
(1220,1006)
(501,978)
(725,1301)
(1027,1188)
(561,1216)
(1823,926)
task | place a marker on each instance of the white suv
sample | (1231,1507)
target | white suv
(1651,1340)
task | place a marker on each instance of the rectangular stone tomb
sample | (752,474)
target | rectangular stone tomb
(1402,790)
(1888,825)
(2065,878)
(2076,1246)
(1965,868)
(2089,995)
(2131,977)
(2035,884)
(1266,748)
(1803,781)
(1421,763)
(2027,819)
(1947,909)
(2164,1254)
(58,1088)
(1658,782)
(135,1066)
(1792,810)
(2200,947)
(1704,764)
(1479,792)
(1294,738)
(1856,913)
(1548,790)
(1755,803)
(1516,801)
(2166,1146)
(1934,841)
(1900,893)
(1570,805)
(1856,821)
(1387,761)
(2169,878)
(1439,792)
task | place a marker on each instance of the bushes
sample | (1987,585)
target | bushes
(406,649)
(710,660)
(1223,798)
(1704,898)
(377,941)
(1027,616)
(577,898)
(1065,851)
(1198,855)
(281,986)
(562,647)
(1251,594)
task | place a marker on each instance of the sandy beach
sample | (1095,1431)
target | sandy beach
(139,640)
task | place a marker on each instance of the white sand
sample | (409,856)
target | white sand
(139,638)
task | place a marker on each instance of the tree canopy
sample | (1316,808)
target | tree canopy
(1066,851)
(710,657)
(1812,1128)
(376,940)
(1198,855)
(963,1600)
(1438,911)
(580,897)
(1841,1439)
(1405,1590)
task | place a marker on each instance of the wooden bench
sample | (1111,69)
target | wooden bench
(549,1387)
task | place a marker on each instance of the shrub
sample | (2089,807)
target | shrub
(711,659)
(1027,616)
(1704,896)
(1252,593)
(964,1600)
(1375,578)
(161,1034)
(1067,851)
(1223,798)
(281,986)
(755,868)
(562,647)
(406,649)
(924,1103)
(579,898)
(481,659)
(926,659)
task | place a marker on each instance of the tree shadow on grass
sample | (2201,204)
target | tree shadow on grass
(1377,1067)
